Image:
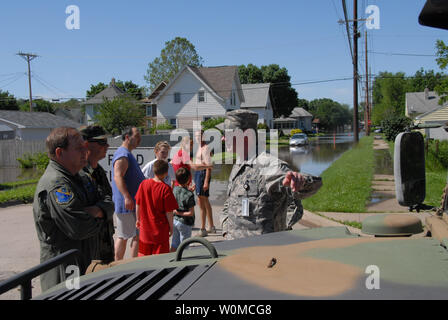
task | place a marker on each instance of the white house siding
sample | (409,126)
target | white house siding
(189,108)
(440,115)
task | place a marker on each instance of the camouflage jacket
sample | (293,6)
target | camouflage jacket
(260,182)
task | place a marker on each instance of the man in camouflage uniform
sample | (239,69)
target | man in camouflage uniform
(261,188)
(97,148)
(64,212)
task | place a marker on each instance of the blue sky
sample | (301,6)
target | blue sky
(119,38)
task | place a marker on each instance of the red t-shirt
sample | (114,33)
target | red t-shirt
(181,160)
(155,199)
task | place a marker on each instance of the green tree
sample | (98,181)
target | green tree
(303,103)
(250,74)
(117,114)
(176,54)
(425,79)
(39,105)
(442,62)
(8,101)
(128,86)
(95,89)
(332,114)
(389,90)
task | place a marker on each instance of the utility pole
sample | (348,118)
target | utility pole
(366,111)
(28,57)
(355,70)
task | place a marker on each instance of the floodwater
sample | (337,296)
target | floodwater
(17,174)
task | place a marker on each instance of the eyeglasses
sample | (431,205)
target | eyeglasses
(101,142)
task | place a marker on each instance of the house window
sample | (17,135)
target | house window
(149,124)
(176,97)
(207,118)
(154,110)
(173,122)
(148,111)
(201,96)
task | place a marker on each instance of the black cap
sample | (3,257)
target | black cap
(94,132)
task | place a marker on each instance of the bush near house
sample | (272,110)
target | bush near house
(394,125)
(162,126)
(211,123)
(294,131)
(36,160)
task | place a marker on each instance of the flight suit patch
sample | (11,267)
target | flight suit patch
(63,196)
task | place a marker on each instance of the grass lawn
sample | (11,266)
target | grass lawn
(24,194)
(347,182)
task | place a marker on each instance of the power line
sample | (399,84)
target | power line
(404,54)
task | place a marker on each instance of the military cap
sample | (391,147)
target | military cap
(242,119)
(94,132)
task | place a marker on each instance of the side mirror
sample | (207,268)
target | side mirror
(409,169)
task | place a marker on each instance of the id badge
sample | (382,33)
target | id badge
(245,207)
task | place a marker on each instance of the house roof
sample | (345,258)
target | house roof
(416,102)
(154,93)
(21,119)
(220,79)
(430,112)
(255,95)
(300,112)
(217,79)
(5,128)
(283,119)
(109,93)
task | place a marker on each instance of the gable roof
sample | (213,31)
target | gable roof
(416,102)
(112,91)
(22,119)
(155,92)
(255,95)
(300,112)
(218,80)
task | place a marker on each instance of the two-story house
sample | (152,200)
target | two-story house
(93,104)
(198,94)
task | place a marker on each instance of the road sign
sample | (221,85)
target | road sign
(142,155)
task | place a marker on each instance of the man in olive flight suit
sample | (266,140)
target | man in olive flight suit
(64,215)
(260,187)
(97,148)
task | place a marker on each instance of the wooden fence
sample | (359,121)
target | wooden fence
(10,150)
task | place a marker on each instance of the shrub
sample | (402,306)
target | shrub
(262,126)
(393,126)
(439,151)
(294,131)
(37,160)
(211,123)
(162,126)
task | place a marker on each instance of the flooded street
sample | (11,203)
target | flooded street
(17,174)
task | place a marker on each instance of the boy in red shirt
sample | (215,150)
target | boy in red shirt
(155,203)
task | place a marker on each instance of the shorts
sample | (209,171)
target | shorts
(199,179)
(147,249)
(180,233)
(126,228)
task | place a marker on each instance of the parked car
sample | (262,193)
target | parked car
(298,139)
